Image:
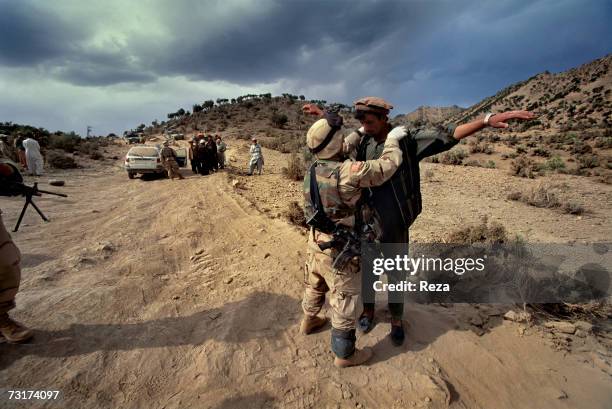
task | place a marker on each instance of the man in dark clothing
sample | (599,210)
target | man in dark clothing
(201,158)
(211,154)
(192,155)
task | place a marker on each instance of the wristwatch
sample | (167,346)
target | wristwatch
(487,117)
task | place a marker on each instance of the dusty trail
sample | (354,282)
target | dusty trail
(181,294)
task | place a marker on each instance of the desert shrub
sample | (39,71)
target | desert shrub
(554,163)
(481,233)
(59,160)
(88,148)
(581,147)
(295,168)
(539,197)
(65,142)
(481,148)
(453,157)
(279,120)
(512,140)
(545,198)
(295,214)
(603,142)
(523,167)
(545,153)
(573,208)
(588,161)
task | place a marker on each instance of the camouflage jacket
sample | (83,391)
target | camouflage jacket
(340,183)
(168,153)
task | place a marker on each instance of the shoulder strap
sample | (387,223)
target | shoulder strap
(361,149)
(319,219)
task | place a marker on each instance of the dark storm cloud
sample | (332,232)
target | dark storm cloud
(29,35)
(266,47)
(411,52)
(310,42)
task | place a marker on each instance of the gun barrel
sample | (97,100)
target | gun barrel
(51,193)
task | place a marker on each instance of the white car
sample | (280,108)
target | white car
(143,159)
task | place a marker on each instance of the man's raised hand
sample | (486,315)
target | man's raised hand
(499,120)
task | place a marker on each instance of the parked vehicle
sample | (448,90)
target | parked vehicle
(132,139)
(142,160)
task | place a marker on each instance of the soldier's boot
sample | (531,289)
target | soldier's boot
(359,357)
(12,331)
(311,323)
(343,346)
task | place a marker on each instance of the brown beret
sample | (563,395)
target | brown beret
(373,104)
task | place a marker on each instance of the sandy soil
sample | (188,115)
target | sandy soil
(186,294)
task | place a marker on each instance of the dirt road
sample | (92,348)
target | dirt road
(182,294)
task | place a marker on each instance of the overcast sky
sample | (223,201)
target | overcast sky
(66,64)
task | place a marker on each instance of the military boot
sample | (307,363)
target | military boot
(12,331)
(311,323)
(359,357)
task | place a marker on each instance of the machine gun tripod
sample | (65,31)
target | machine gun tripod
(28,192)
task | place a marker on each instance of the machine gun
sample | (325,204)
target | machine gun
(347,244)
(20,189)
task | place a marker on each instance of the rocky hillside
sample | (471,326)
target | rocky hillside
(426,114)
(578,99)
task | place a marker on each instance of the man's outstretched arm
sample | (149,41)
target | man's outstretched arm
(495,121)
(434,140)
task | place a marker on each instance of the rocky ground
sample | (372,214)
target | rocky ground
(186,294)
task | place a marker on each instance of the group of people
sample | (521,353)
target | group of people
(365,185)
(25,150)
(206,154)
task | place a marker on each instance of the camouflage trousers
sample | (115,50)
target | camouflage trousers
(172,168)
(10,271)
(344,285)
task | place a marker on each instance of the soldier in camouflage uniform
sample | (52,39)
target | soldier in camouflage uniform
(168,158)
(10,270)
(339,184)
(391,208)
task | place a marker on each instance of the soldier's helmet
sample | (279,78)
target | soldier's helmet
(324,140)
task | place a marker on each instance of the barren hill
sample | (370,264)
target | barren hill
(576,99)
(425,114)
